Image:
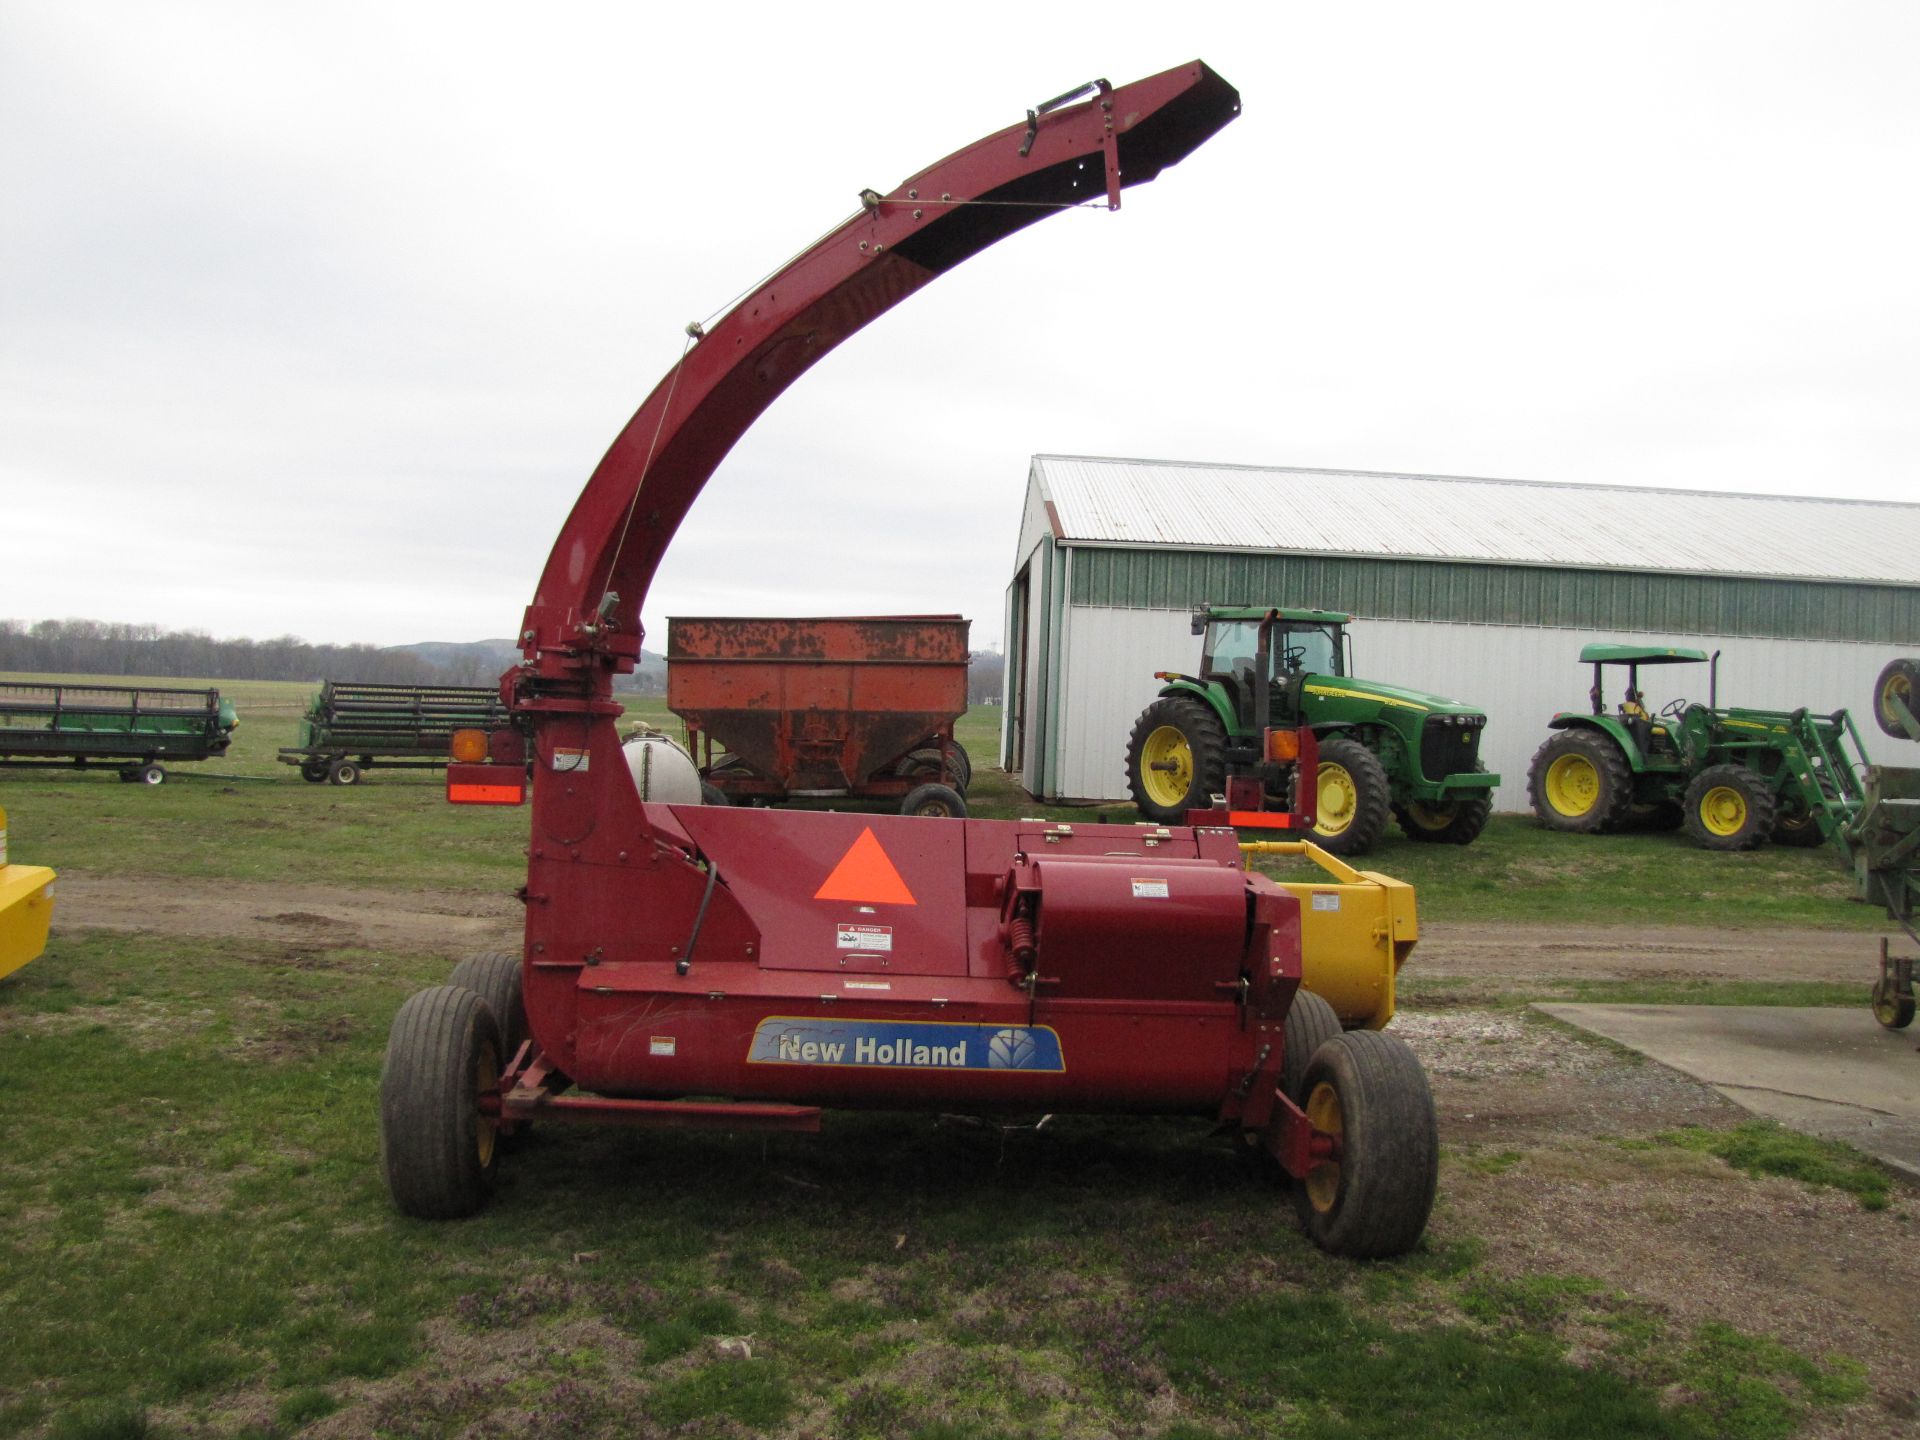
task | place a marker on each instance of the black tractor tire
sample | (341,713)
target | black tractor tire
(343,772)
(149,774)
(940,802)
(1575,766)
(1797,828)
(1652,817)
(314,772)
(1890,1008)
(1366,806)
(712,794)
(1729,807)
(437,1151)
(1176,759)
(495,976)
(1900,678)
(1448,822)
(1373,1200)
(1310,1023)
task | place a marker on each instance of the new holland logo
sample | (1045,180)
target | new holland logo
(883,1044)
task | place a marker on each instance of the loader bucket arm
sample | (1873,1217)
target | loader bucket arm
(583,625)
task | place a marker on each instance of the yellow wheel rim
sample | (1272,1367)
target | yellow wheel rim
(486,1078)
(1430,817)
(1339,799)
(1573,785)
(1723,810)
(1898,687)
(1323,1113)
(1166,766)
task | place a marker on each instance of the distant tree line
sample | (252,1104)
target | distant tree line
(96,647)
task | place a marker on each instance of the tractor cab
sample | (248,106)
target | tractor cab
(1242,648)
(1653,735)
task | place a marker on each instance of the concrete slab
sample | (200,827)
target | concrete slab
(1831,1072)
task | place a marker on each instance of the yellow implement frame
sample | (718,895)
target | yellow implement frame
(1356,930)
(26,908)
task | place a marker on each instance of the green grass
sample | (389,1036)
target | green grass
(1761,1147)
(198,1229)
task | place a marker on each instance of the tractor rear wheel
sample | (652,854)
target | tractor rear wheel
(1176,759)
(1355,800)
(1900,681)
(1728,807)
(437,1151)
(1371,1198)
(1579,783)
(940,802)
(494,976)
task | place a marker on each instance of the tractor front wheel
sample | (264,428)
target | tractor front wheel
(1728,807)
(1355,799)
(437,1150)
(1446,822)
(1799,828)
(1579,783)
(1176,759)
(1367,1096)
(1899,682)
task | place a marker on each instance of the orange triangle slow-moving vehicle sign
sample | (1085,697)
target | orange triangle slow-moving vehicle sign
(866,876)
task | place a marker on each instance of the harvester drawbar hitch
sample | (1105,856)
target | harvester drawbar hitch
(887,961)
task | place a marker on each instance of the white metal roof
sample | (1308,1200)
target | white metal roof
(1513,522)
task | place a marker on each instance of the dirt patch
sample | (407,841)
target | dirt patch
(1639,952)
(405,921)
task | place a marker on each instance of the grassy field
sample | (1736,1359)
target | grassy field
(197,1241)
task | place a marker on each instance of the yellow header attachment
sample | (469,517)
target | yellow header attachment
(1356,930)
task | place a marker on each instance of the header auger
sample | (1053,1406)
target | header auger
(705,966)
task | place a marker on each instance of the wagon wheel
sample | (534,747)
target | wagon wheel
(1310,1023)
(344,772)
(937,801)
(1890,1008)
(150,774)
(494,976)
(712,794)
(438,1152)
(313,771)
(1367,1094)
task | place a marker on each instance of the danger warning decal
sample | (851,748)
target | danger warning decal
(866,876)
(864,937)
(912,1044)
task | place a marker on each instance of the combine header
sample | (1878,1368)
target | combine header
(354,726)
(126,728)
(712,966)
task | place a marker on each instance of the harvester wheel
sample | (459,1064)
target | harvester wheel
(1355,800)
(936,801)
(1729,807)
(1367,1092)
(313,771)
(1446,822)
(1310,1023)
(1900,680)
(1797,827)
(344,772)
(494,975)
(1890,1007)
(1176,759)
(437,1150)
(150,774)
(1579,783)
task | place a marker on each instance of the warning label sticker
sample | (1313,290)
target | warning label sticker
(569,762)
(1149,889)
(1326,900)
(660,1045)
(864,937)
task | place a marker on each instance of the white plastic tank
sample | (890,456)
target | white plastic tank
(662,769)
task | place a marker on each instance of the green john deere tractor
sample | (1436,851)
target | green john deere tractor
(1734,778)
(1383,750)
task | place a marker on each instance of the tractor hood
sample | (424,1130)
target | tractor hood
(1398,697)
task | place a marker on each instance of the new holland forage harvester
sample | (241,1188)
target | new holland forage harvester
(709,966)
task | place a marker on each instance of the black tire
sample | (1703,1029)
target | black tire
(1176,759)
(712,794)
(1448,822)
(314,772)
(1901,679)
(343,772)
(1798,828)
(963,768)
(1577,765)
(1728,807)
(1891,1009)
(1310,1023)
(1652,817)
(1353,779)
(1373,1201)
(437,1150)
(495,976)
(935,801)
(128,776)
(149,774)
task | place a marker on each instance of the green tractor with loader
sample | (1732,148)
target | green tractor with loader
(1275,698)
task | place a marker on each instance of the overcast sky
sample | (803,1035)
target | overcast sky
(314,319)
